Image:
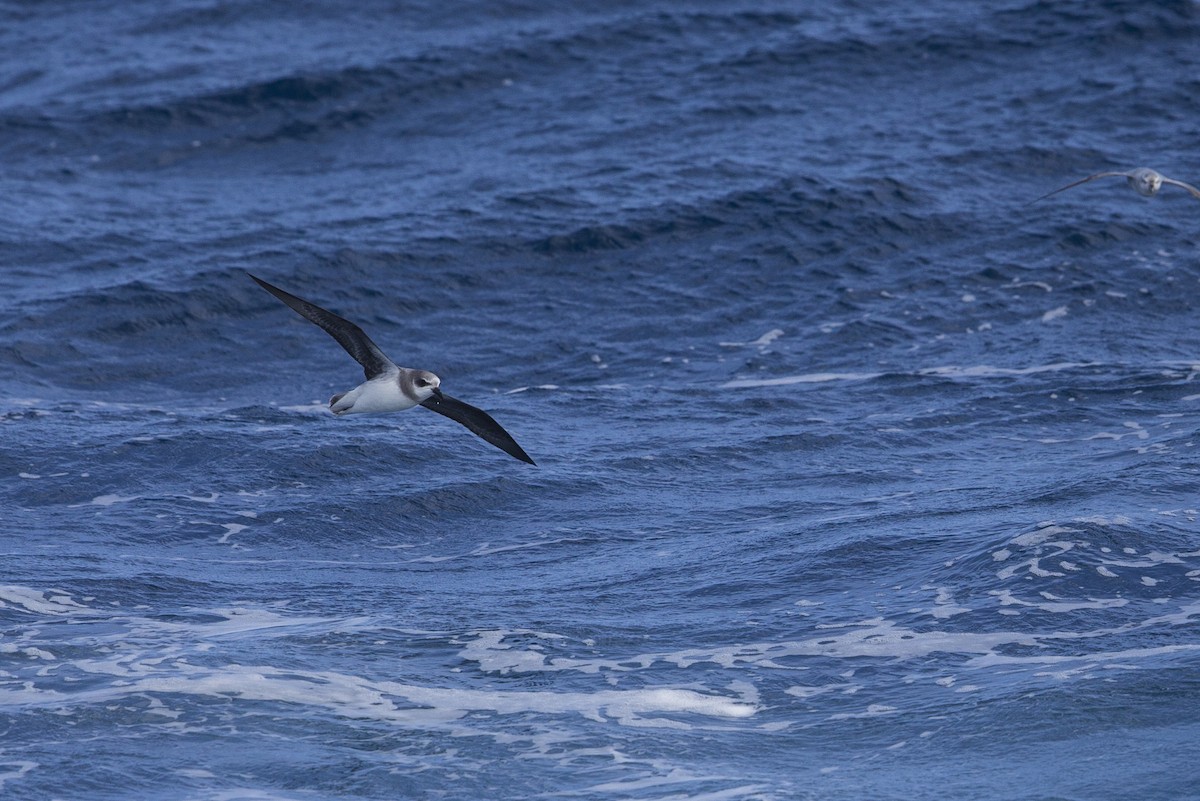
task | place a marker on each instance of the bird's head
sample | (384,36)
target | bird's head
(1146,181)
(425,385)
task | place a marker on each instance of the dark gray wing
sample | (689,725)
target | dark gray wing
(1080,181)
(347,334)
(479,422)
(1191,189)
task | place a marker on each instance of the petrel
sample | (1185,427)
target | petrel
(390,388)
(1144,181)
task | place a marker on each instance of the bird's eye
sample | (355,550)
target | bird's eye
(421,382)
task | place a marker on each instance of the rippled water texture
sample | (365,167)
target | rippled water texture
(858,476)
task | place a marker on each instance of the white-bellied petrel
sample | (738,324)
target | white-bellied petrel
(1144,181)
(390,388)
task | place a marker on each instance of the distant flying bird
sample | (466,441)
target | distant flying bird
(390,388)
(1144,180)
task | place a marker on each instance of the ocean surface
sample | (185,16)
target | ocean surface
(858,476)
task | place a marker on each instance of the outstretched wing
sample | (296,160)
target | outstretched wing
(479,422)
(347,334)
(1193,190)
(1077,183)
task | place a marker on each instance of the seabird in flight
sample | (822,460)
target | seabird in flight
(1144,180)
(390,388)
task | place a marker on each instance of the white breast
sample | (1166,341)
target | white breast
(377,396)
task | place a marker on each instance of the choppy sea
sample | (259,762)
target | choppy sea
(859,477)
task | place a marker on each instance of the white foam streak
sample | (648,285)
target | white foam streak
(632,787)
(762,342)
(487,549)
(42,602)
(250,794)
(16,770)
(316,407)
(546,387)
(1054,314)
(873,638)
(948,371)
(876,638)
(238,621)
(988,371)
(170,672)
(1007,598)
(106,500)
(407,705)
(1130,655)
(807,378)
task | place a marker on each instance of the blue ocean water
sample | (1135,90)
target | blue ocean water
(858,476)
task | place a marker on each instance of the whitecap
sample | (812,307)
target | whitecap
(42,602)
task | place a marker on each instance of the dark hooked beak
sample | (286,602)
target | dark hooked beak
(437,393)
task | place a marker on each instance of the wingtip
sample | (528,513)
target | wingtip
(515,451)
(263,284)
(479,423)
